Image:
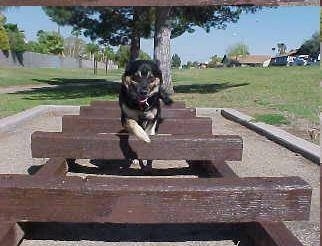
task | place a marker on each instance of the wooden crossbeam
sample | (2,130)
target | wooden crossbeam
(153,200)
(10,233)
(116,112)
(74,124)
(155,2)
(115,146)
(256,233)
(115,104)
(53,168)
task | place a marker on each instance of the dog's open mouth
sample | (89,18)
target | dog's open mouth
(143,102)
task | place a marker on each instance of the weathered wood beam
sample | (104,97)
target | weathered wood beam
(153,200)
(155,2)
(74,124)
(116,112)
(120,146)
(115,104)
(53,168)
(256,233)
(10,233)
(270,234)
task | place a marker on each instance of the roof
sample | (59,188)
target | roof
(253,59)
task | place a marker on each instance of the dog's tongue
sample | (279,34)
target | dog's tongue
(143,102)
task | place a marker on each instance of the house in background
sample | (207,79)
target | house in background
(253,60)
(285,59)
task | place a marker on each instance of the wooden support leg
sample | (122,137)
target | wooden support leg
(257,233)
(55,167)
(10,234)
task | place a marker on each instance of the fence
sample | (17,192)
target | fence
(36,60)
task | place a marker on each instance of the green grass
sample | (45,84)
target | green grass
(272,119)
(293,92)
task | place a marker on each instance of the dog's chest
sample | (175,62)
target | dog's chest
(139,115)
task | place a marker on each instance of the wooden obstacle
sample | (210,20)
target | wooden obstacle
(257,205)
(155,2)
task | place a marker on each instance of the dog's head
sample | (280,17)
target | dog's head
(142,79)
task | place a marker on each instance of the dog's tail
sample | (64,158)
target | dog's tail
(133,127)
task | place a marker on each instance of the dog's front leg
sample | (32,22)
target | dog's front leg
(146,165)
(133,127)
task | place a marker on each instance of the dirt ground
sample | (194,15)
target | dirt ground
(261,158)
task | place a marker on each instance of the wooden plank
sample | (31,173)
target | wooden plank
(117,146)
(256,233)
(155,2)
(116,112)
(270,234)
(153,200)
(53,168)
(74,124)
(10,234)
(115,104)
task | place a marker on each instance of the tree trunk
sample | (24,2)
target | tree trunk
(162,37)
(135,37)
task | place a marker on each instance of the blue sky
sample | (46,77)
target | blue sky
(261,31)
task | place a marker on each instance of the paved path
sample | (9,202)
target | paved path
(261,157)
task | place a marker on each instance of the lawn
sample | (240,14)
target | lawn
(291,91)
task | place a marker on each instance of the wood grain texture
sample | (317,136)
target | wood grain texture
(115,104)
(116,112)
(88,125)
(270,234)
(111,146)
(153,200)
(53,168)
(10,234)
(256,233)
(154,2)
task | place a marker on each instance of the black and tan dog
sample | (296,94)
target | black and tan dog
(140,96)
(139,99)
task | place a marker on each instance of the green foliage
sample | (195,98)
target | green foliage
(51,41)
(109,53)
(122,55)
(47,43)
(215,61)
(16,38)
(115,25)
(176,61)
(272,119)
(108,25)
(238,49)
(4,39)
(311,46)
(92,48)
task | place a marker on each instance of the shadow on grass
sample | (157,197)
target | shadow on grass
(62,88)
(205,88)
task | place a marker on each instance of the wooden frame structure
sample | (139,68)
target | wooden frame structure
(257,205)
(155,2)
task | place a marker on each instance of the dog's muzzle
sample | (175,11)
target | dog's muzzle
(143,103)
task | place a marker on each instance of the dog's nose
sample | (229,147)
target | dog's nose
(143,92)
